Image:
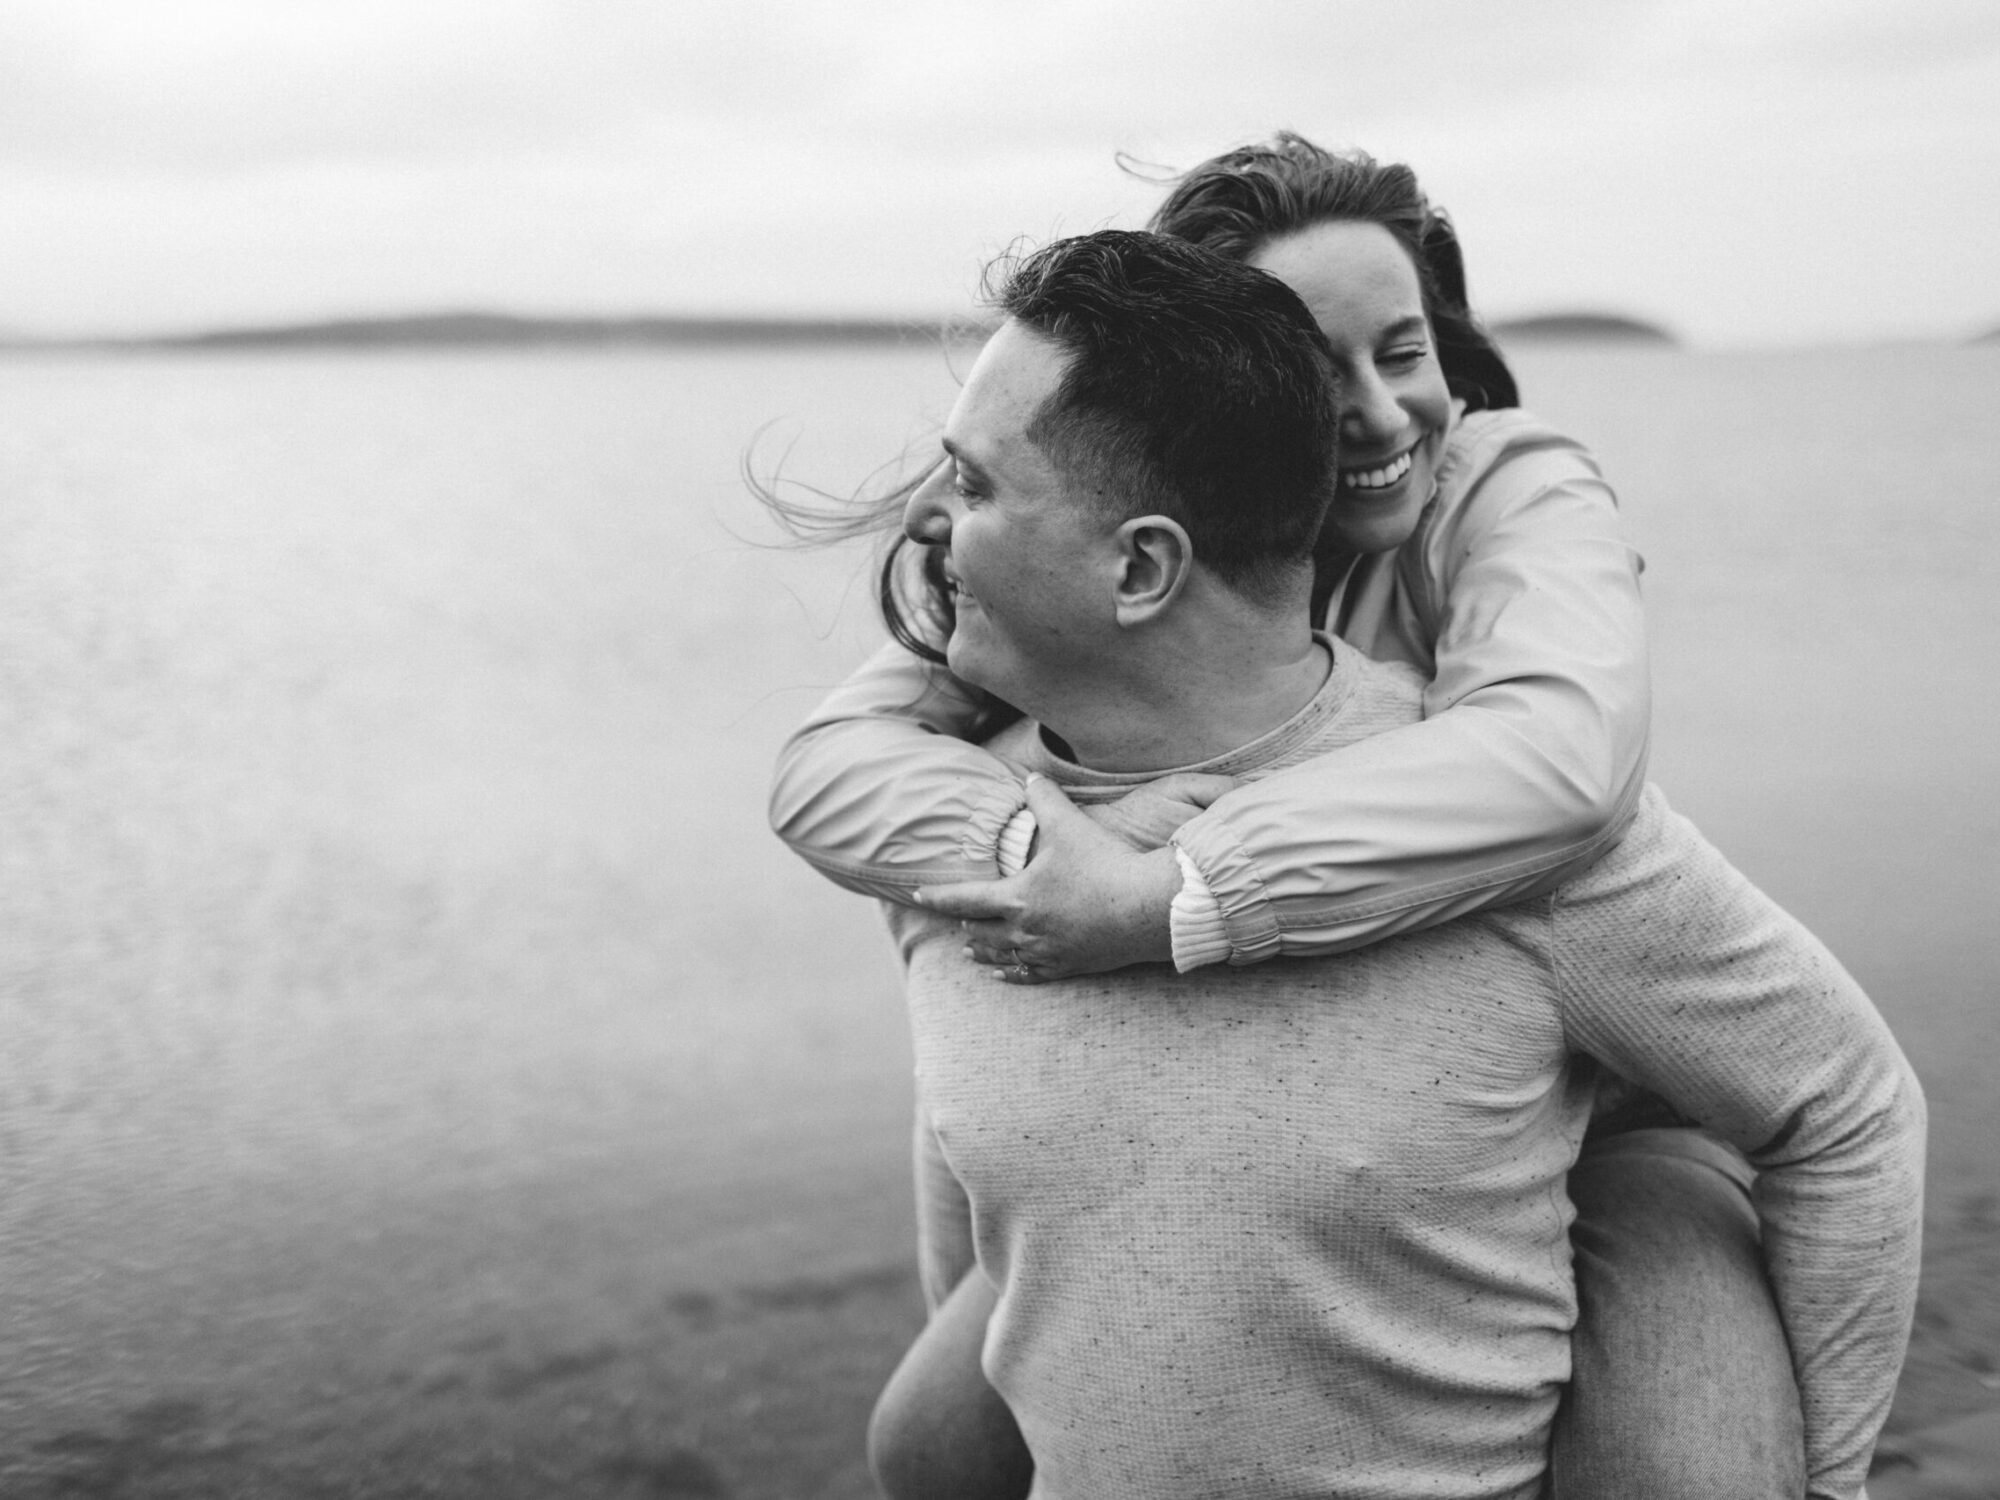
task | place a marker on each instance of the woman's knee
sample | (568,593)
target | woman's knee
(939,1431)
(901,1452)
(1682,1380)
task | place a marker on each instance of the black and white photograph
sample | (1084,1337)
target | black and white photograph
(1088,751)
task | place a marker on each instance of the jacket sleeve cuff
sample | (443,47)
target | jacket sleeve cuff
(1200,937)
(1230,880)
(1016,843)
(987,837)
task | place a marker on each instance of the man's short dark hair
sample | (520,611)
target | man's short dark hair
(1197,388)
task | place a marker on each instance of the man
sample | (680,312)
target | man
(1300,1230)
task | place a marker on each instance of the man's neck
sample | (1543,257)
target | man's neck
(1192,688)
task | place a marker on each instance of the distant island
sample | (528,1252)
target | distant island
(474,330)
(1582,328)
(495,330)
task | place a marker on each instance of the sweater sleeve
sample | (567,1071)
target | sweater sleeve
(1680,975)
(879,791)
(1532,753)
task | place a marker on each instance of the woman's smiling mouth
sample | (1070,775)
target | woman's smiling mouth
(1382,477)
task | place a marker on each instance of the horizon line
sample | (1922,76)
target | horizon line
(473,328)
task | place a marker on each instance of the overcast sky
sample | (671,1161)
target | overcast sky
(1747,171)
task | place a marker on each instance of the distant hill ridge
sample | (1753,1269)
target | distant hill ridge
(474,329)
(1582,327)
(490,329)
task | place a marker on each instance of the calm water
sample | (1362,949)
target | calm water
(393,946)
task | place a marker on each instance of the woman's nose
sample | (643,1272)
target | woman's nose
(1368,408)
(925,518)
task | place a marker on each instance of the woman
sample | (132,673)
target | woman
(1474,542)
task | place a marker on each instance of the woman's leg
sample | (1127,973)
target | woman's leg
(1682,1382)
(939,1431)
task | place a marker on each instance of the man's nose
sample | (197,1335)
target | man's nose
(925,517)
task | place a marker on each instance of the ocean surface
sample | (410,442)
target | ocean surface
(422,1069)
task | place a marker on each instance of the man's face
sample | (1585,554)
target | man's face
(1025,556)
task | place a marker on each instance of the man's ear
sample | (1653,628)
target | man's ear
(1155,560)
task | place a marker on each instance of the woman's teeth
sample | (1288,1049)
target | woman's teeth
(1382,478)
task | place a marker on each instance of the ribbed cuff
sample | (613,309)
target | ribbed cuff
(1229,878)
(1016,843)
(986,824)
(1200,935)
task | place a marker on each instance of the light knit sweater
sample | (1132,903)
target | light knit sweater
(1300,1230)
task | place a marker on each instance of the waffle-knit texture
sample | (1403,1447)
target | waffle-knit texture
(1300,1230)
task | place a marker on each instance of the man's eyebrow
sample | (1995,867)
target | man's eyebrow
(961,456)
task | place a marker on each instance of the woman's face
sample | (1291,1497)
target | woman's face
(1394,407)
